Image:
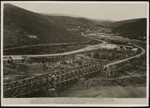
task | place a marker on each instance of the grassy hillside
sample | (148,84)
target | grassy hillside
(72,22)
(19,23)
(134,28)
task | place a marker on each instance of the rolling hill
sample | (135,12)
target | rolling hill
(23,27)
(74,22)
(134,28)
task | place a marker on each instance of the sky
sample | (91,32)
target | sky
(97,10)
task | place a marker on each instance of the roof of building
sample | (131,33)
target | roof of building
(13,58)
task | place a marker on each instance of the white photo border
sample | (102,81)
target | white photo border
(73,101)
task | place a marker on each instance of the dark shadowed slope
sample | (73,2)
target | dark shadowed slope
(22,27)
(135,28)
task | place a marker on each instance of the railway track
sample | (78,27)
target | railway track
(46,81)
(43,82)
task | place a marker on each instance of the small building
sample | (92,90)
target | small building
(129,47)
(12,59)
(134,50)
(67,61)
(118,48)
(73,29)
(92,54)
(32,36)
(91,34)
(124,48)
(78,27)
(7,59)
(88,30)
(109,46)
(58,62)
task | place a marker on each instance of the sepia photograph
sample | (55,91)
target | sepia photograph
(74,53)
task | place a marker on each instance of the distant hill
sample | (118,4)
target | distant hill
(104,23)
(23,27)
(134,28)
(74,22)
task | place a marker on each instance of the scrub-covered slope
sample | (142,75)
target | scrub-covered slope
(23,27)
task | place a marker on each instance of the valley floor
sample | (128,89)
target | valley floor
(107,92)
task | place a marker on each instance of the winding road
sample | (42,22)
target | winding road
(88,48)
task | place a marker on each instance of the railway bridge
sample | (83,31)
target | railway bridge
(47,81)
